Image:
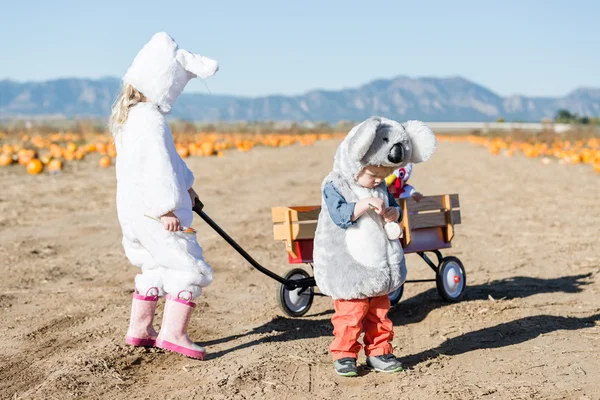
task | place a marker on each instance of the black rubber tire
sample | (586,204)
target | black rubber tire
(451,265)
(285,298)
(396,295)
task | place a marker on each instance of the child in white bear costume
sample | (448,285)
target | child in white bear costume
(154,184)
(354,260)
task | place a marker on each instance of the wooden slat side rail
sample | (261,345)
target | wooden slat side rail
(432,220)
(430,203)
(311,213)
(298,222)
(303,230)
(306,230)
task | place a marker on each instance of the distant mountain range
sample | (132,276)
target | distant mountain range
(428,99)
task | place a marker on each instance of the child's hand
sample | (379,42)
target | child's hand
(417,196)
(193,196)
(362,206)
(171,222)
(391,214)
(376,204)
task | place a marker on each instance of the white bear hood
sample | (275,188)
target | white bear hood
(161,70)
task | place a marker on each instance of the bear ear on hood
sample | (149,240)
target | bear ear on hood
(363,138)
(198,65)
(422,139)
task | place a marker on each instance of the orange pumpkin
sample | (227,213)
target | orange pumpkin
(45,158)
(35,166)
(183,151)
(105,162)
(208,148)
(101,148)
(71,147)
(55,150)
(111,150)
(5,159)
(25,156)
(194,149)
(55,166)
(494,150)
(69,155)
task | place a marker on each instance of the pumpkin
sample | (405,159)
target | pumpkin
(54,166)
(101,148)
(35,166)
(207,148)
(183,151)
(69,155)
(111,150)
(494,150)
(46,158)
(105,162)
(5,159)
(71,147)
(25,156)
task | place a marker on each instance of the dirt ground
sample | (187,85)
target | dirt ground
(528,328)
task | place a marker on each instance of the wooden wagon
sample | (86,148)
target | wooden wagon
(428,226)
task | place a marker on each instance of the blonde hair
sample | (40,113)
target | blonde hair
(128,98)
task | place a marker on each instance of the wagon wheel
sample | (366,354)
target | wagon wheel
(297,302)
(396,295)
(451,279)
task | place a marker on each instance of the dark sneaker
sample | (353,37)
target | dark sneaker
(384,363)
(346,366)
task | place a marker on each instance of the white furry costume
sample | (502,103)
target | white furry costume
(360,261)
(152,178)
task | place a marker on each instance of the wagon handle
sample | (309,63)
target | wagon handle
(198,206)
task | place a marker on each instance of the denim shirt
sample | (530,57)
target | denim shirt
(341,211)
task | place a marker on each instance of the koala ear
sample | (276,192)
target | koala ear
(363,138)
(422,139)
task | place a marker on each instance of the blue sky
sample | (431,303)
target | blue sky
(535,48)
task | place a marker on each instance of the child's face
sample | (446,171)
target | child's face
(372,176)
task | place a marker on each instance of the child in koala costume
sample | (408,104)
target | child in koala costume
(155,195)
(354,261)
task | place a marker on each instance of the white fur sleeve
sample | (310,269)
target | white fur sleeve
(159,182)
(189,176)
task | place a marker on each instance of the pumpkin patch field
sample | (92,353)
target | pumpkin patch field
(527,328)
(39,153)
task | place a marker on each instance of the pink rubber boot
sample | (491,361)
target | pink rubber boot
(141,332)
(173,332)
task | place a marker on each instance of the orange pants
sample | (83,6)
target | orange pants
(352,317)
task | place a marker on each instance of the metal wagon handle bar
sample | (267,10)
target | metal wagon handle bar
(289,284)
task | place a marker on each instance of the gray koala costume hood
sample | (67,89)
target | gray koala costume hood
(360,261)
